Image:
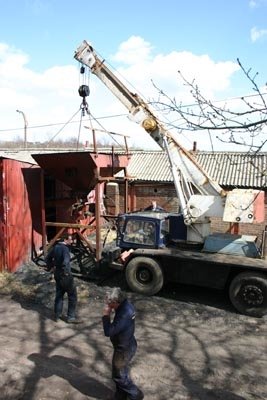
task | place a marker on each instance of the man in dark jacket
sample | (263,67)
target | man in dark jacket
(121,333)
(58,260)
(154,207)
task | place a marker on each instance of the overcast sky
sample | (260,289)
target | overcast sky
(142,40)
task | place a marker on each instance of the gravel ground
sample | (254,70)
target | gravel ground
(192,344)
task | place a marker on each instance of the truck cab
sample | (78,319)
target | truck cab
(149,229)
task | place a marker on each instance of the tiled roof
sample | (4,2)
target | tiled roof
(228,169)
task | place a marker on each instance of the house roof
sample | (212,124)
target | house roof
(25,155)
(18,155)
(149,166)
(228,169)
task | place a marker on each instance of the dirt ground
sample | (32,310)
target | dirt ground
(192,344)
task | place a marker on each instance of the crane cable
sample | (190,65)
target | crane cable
(84,92)
(103,129)
(53,137)
(79,131)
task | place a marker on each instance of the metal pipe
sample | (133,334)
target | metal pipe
(25,127)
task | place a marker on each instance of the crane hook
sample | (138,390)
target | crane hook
(84,92)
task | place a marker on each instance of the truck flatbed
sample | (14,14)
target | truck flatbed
(211,258)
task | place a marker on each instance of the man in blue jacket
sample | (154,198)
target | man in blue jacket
(58,260)
(121,333)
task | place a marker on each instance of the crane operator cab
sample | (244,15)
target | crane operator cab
(149,230)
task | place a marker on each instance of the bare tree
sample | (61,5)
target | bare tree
(244,125)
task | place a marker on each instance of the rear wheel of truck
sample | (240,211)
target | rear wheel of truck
(248,293)
(144,275)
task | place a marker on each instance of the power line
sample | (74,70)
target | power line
(61,123)
(125,114)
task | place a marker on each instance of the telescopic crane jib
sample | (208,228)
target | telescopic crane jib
(199,196)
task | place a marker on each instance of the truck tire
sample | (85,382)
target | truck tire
(248,293)
(144,275)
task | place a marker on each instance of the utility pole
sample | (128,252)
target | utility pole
(25,127)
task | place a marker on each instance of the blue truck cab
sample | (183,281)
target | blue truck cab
(148,229)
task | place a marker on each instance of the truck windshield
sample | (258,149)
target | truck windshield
(140,231)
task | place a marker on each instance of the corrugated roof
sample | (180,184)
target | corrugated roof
(149,166)
(228,169)
(235,169)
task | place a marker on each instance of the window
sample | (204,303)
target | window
(140,231)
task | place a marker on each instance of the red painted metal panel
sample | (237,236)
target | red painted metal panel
(3,262)
(21,233)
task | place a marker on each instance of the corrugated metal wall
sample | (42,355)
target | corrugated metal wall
(2,218)
(20,213)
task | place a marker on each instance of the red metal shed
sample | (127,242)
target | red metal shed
(21,212)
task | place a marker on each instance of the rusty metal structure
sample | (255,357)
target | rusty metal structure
(83,171)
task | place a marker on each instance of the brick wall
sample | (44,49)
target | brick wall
(163,194)
(141,194)
(112,200)
(217,225)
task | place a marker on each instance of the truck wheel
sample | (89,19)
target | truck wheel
(144,275)
(248,293)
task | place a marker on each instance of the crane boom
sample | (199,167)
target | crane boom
(199,195)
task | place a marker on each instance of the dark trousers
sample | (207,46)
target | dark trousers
(65,284)
(120,374)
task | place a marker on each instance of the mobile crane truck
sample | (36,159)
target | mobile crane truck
(155,247)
